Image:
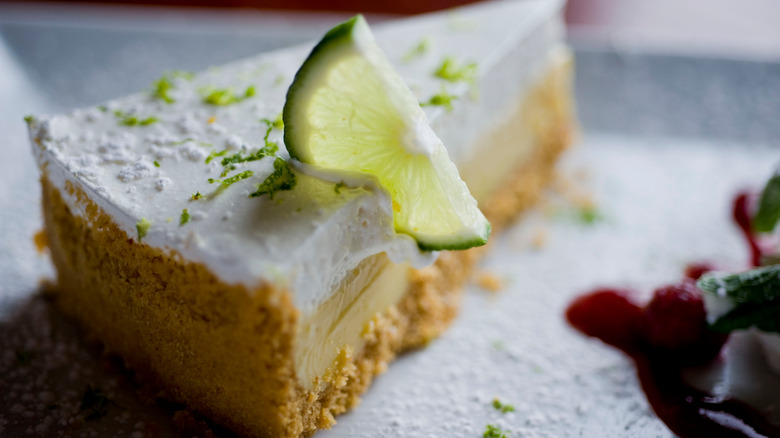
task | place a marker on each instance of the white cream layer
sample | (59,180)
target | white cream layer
(309,238)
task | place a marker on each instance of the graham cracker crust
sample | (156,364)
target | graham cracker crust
(226,351)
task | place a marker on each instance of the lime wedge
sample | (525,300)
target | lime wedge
(348,110)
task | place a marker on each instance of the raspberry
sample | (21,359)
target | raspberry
(607,314)
(695,270)
(675,321)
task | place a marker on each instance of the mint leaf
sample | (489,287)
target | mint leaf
(763,316)
(759,285)
(769,207)
(282,178)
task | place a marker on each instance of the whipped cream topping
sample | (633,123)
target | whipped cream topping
(142,157)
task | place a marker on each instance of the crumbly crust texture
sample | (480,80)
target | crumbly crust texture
(227,352)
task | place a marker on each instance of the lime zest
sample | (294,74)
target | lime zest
(215,154)
(418,50)
(227,182)
(493,431)
(503,407)
(452,70)
(443,98)
(277,123)
(282,178)
(162,87)
(225,96)
(142,227)
(127,119)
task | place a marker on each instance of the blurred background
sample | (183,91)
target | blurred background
(689,55)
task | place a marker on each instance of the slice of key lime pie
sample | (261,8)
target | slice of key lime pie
(260,243)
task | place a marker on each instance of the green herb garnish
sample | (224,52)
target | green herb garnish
(96,402)
(755,295)
(29,119)
(444,99)
(768,213)
(142,227)
(453,71)
(282,178)
(184,218)
(418,50)
(225,96)
(493,431)
(196,196)
(156,163)
(503,407)
(762,316)
(759,285)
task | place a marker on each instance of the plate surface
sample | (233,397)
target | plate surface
(666,142)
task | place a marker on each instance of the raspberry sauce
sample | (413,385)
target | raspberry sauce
(741,215)
(670,333)
(612,317)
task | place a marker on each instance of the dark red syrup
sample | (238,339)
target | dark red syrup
(742,217)
(667,335)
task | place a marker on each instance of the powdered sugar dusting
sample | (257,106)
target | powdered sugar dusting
(656,215)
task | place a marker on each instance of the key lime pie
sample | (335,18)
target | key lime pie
(260,243)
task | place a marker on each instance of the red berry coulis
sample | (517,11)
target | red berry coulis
(741,215)
(665,336)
